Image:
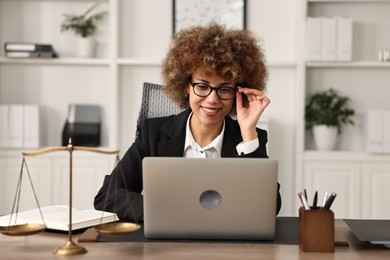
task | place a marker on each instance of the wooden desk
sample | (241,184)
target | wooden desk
(41,246)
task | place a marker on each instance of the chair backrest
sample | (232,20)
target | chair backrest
(155,103)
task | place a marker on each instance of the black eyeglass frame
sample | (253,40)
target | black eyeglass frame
(193,84)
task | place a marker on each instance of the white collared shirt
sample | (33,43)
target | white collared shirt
(213,150)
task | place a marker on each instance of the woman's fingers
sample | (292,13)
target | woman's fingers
(253,95)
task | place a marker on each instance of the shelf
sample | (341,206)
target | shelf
(344,156)
(56,61)
(348,1)
(138,62)
(281,64)
(354,64)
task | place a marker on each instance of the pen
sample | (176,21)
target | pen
(315,200)
(330,201)
(303,200)
(305,193)
(300,198)
(325,198)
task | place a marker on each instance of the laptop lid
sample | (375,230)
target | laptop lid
(224,198)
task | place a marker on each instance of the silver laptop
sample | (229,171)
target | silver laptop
(225,198)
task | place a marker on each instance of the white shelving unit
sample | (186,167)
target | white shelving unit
(53,84)
(365,80)
(132,42)
(44,81)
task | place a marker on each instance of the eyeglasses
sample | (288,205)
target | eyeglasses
(203,90)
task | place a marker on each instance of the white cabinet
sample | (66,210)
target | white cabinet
(340,177)
(361,182)
(50,177)
(376,190)
(349,169)
(40,171)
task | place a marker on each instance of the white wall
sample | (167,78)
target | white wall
(274,21)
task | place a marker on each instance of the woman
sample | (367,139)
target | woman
(213,72)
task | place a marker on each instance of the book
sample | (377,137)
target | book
(56,217)
(27,47)
(29,50)
(30,54)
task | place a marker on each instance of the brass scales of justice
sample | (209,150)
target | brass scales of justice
(70,247)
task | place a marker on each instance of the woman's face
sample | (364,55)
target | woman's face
(210,111)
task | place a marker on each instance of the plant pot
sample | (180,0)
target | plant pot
(86,47)
(325,137)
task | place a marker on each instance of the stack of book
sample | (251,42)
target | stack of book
(29,50)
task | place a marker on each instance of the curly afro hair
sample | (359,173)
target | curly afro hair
(234,54)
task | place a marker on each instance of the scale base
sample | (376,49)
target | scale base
(70,248)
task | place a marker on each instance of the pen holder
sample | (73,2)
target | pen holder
(316,230)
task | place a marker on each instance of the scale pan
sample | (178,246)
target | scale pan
(117,228)
(22,230)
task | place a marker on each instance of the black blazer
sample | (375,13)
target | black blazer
(163,136)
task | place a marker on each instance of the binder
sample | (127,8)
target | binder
(378,131)
(15,127)
(313,39)
(374,131)
(328,39)
(386,131)
(31,129)
(344,39)
(3,125)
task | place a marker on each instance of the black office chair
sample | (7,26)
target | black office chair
(155,103)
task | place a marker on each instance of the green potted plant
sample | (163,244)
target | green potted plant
(326,113)
(85,26)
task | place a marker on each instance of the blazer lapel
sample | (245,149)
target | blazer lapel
(231,138)
(173,135)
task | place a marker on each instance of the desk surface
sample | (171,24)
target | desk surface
(41,246)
